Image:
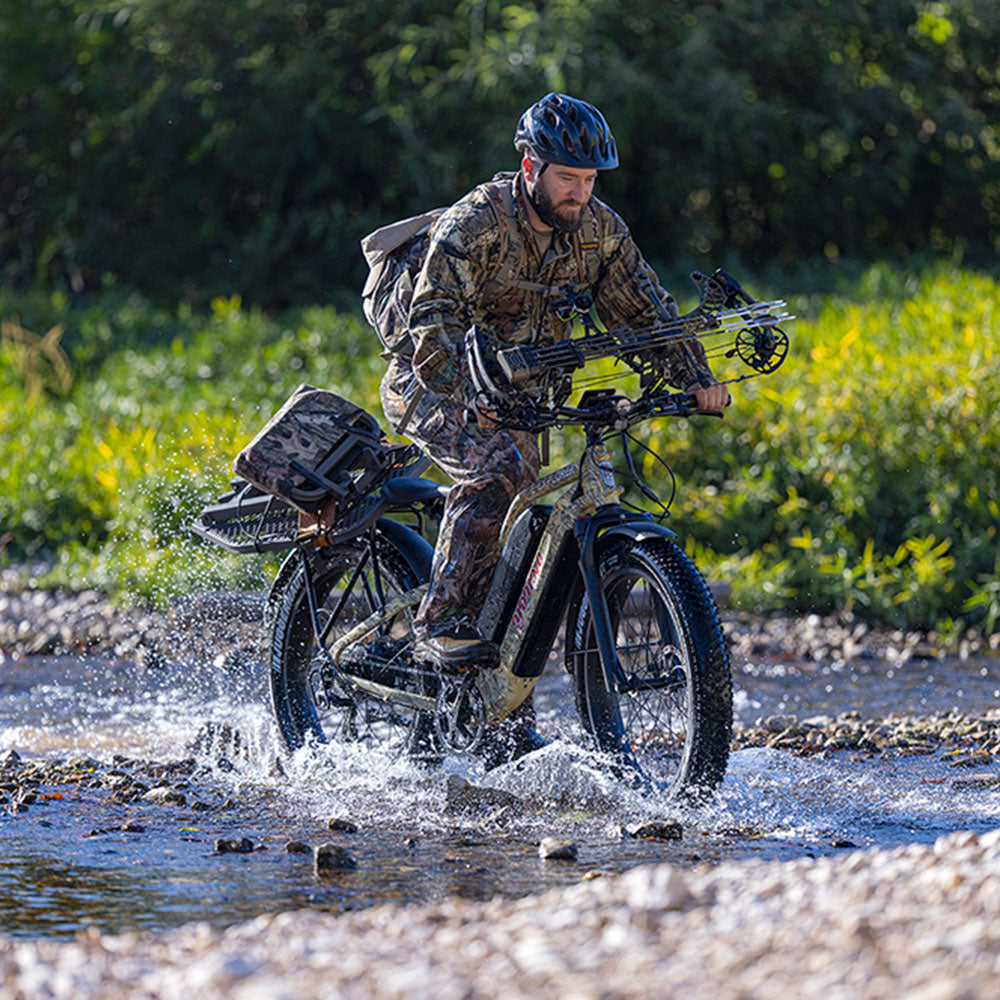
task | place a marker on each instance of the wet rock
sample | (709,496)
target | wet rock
(342,826)
(234,845)
(817,722)
(779,723)
(10,760)
(331,858)
(666,829)
(976,783)
(463,797)
(297,847)
(165,795)
(842,842)
(595,873)
(553,849)
(132,827)
(130,792)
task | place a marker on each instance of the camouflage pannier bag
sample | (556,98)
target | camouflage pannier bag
(317,450)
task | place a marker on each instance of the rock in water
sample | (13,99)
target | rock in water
(332,858)
(342,826)
(664,829)
(233,845)
(553,849)
(165,795)
(462,797)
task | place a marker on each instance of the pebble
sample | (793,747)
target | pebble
(165,795)
(656,830)
(233,845)
(342,826)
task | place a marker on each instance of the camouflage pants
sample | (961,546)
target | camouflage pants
(488,467)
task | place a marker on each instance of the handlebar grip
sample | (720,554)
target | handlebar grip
(687,405)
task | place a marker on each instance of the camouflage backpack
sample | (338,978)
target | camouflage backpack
(395,254)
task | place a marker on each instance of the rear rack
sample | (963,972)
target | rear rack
(246,519)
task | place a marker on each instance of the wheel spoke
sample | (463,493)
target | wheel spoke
(311,699)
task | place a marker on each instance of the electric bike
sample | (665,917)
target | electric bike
(644,661)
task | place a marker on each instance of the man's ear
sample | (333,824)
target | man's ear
(528,166)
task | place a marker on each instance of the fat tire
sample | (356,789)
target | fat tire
(686,615)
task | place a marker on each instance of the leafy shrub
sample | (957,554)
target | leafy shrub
(862,475)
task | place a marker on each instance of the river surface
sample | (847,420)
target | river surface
(68,863)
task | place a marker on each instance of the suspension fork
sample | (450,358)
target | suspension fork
(586,529)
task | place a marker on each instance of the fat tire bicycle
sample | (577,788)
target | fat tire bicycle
(643,650)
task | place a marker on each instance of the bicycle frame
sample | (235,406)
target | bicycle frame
(564,557)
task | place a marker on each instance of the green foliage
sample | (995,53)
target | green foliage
(861,476)
(191,148)
(110,477)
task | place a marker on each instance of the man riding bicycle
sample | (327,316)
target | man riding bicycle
(498,258)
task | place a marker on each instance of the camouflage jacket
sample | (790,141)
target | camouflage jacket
(458,287)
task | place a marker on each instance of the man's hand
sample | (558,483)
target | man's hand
(711,397)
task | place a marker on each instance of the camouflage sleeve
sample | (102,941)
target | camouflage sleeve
(623,297)
(449,284)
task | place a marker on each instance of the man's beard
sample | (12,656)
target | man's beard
(547,212)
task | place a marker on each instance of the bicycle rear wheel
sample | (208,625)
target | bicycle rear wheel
(312,703)
(673,715)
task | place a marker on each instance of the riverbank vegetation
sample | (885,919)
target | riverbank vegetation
(183,188)
(861,476)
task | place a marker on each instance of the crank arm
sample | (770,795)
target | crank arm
(418,701)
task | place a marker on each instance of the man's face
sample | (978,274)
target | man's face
(560,194)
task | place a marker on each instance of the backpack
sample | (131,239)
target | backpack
(395,254)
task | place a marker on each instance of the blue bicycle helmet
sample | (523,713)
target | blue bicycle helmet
(564,130)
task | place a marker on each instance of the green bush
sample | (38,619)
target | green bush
(861,476)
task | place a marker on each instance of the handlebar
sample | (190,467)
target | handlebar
(602,408)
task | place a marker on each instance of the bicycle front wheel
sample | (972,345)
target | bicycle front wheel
(672,711)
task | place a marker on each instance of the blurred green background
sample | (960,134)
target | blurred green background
(183,186)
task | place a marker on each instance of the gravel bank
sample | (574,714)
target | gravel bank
(43,622)
(919,922)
